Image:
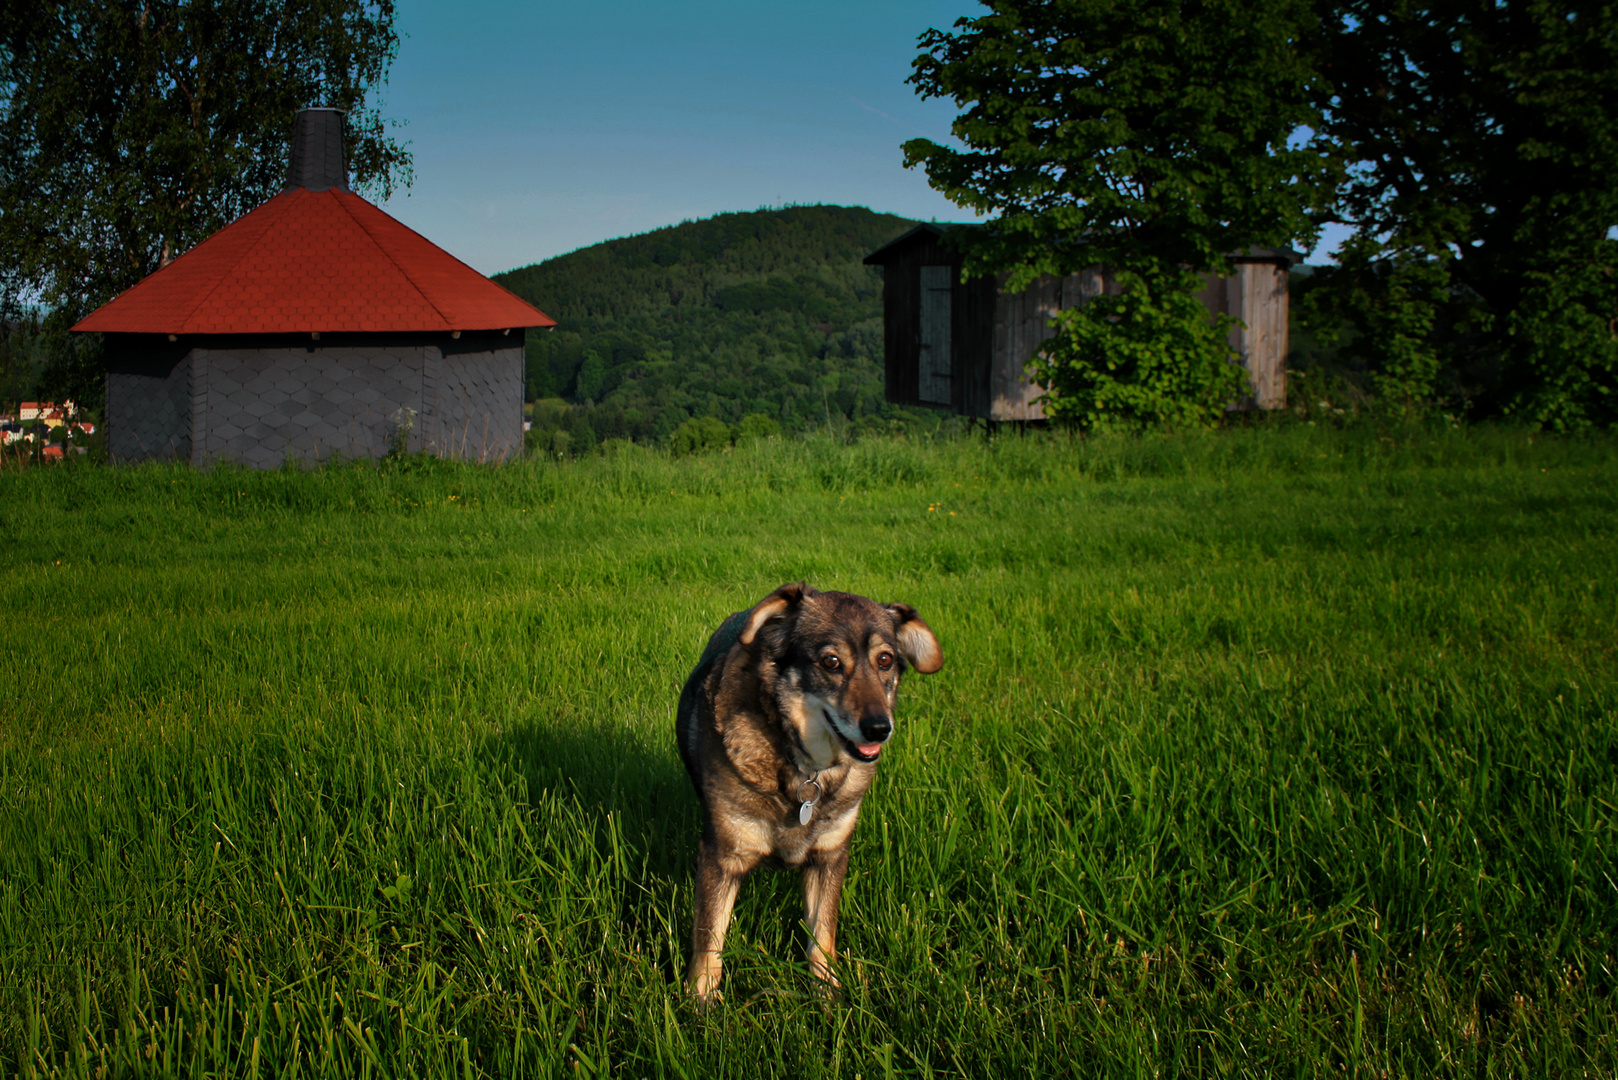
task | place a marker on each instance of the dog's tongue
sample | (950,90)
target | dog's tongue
(871,749)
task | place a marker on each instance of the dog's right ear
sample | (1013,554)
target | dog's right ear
(917,642)
(773,606)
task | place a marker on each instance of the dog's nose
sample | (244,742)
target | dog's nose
(876,728)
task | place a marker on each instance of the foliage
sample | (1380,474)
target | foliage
(558,431)
(1149,356)
(1566,347)
(131,131)
(592,376)
(20,360)
(698,434)
(1385,317)
(1276,752)
(758,426)
(1100,132)
(1483,141)
(770,312)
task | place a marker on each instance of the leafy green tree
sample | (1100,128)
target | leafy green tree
(132,129)
(538,378)
(1483,138)
(592,377)
(698,434)
(19,347)
(1152,136)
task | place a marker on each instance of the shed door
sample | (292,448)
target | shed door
(937,283)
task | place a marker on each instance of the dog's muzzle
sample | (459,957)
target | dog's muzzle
(875,729)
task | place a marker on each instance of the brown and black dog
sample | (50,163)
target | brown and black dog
(780,727)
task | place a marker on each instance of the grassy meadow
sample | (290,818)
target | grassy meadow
(1273,752)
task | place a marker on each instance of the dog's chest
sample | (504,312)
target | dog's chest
(828,829)
(769,828)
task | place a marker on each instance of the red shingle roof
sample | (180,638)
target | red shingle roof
(314,261)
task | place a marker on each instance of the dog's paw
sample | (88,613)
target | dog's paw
(702,984)
(704,1002)
(826,983)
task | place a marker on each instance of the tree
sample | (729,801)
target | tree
(699,434)
(758,426)
(133,130)
(1152,136)
(1483,138)
(592,377)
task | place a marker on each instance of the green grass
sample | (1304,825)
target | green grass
(1277,752)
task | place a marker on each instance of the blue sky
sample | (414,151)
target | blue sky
(541,128)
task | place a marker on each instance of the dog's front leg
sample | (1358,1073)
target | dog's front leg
(718,879)
(823,876)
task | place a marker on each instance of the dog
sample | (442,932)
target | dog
(781,725)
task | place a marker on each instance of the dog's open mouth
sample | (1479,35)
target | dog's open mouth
(866,752)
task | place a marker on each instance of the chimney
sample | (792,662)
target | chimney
(317,161)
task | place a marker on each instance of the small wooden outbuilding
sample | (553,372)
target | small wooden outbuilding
(965,346)
(315,325)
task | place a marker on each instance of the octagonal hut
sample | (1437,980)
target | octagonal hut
(314,326)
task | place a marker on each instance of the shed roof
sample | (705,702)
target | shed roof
(321,261)
(928,230)
(885,253)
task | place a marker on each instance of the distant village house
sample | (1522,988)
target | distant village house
(24,425)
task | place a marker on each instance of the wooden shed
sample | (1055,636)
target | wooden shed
(965,346)
(315,325)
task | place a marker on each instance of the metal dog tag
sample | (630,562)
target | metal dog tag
(806,807)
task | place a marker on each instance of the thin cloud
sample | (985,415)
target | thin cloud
(873,108)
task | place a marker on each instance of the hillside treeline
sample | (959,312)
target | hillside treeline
(769,312)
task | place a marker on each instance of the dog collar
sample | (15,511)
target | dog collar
(806,807)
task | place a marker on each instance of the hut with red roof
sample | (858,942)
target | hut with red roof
(313,326)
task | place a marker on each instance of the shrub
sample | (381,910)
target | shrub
(698,434)
(1148,357)
(758,426)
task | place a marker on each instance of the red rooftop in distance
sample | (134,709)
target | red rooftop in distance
(314,262)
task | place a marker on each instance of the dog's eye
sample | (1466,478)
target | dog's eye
(830,662)
(884,660)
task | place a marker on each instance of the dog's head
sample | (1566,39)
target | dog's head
(833,662)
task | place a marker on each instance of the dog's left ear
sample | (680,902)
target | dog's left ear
(917,643)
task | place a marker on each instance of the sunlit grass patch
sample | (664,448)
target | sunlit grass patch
(1270,751)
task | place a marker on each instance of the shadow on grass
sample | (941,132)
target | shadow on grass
(606,769)
(625,790)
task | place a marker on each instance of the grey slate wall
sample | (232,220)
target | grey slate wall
(260,407)
(148,411)
(262,403)
(467,406)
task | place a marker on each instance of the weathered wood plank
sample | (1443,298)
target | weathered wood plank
(1264,341)
(935,360)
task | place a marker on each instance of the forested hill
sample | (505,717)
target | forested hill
(769,311)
